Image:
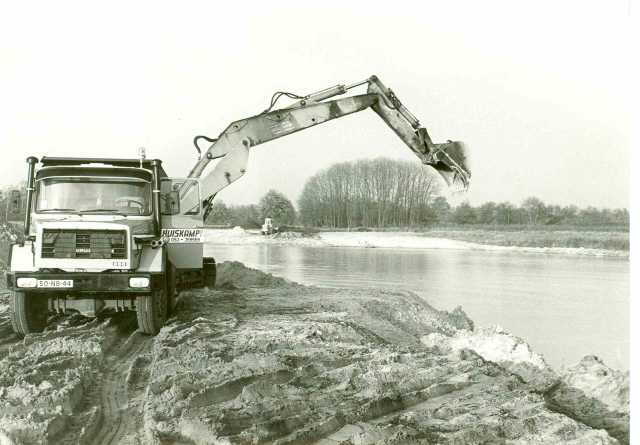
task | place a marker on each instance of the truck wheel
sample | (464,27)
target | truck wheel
(28,313)
(152,311)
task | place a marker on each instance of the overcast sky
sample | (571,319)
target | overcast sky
(538,90)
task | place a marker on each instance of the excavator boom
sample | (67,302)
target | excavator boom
(449,159)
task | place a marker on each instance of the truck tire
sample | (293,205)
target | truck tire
(152,311)
(28,313)
(210,272)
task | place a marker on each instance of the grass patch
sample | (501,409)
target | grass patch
(608,240)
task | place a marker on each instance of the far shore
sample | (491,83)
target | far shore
(389,240)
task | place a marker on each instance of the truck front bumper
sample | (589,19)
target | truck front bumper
(109,284)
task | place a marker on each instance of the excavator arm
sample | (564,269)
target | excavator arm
(233,145)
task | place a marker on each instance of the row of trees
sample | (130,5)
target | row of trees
(535,212)
(435,210)
(371,193)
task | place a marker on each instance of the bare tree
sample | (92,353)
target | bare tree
(533,208)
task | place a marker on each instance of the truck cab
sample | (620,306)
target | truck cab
(106,234)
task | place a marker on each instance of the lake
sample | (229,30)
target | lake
(564,306)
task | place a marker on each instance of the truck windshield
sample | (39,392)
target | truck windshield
(94,195)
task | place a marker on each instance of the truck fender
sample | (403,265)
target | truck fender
(151,260)
(22,258)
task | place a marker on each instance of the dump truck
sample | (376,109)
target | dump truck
(121,235)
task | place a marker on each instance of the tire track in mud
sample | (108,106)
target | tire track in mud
(119,414)
(110,410)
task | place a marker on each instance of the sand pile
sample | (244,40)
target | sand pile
(233,274)
(293,235)
(238,231)
(295,238)
(589,392)
(505,349)
(596,395)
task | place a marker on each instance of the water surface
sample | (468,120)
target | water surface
(564,306)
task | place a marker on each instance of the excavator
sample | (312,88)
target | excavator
(120,234)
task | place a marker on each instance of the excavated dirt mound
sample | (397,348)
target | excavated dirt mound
(264,361)
(238,231)
(594,394)
(294,236)
(233,274)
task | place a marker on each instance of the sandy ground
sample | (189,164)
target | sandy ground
(259,360)
(406,240)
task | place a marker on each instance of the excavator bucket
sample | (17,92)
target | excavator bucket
(451,160)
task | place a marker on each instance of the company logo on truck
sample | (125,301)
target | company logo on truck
(183,235)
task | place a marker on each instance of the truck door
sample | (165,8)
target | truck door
(181,221)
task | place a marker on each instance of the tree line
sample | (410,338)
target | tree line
(532,211)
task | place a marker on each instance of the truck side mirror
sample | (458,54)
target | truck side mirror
(173,203)
(15,204)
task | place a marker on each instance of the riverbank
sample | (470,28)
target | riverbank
(262,360)
(398,240)
(600,238)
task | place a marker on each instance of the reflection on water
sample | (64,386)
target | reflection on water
(564,306)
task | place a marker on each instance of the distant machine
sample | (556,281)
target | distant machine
(267,227)
(120,234)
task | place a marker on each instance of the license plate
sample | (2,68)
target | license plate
(55,283)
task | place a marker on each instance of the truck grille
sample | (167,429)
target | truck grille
(69,243)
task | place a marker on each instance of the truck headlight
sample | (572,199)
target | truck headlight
(139,282)
(26,282)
